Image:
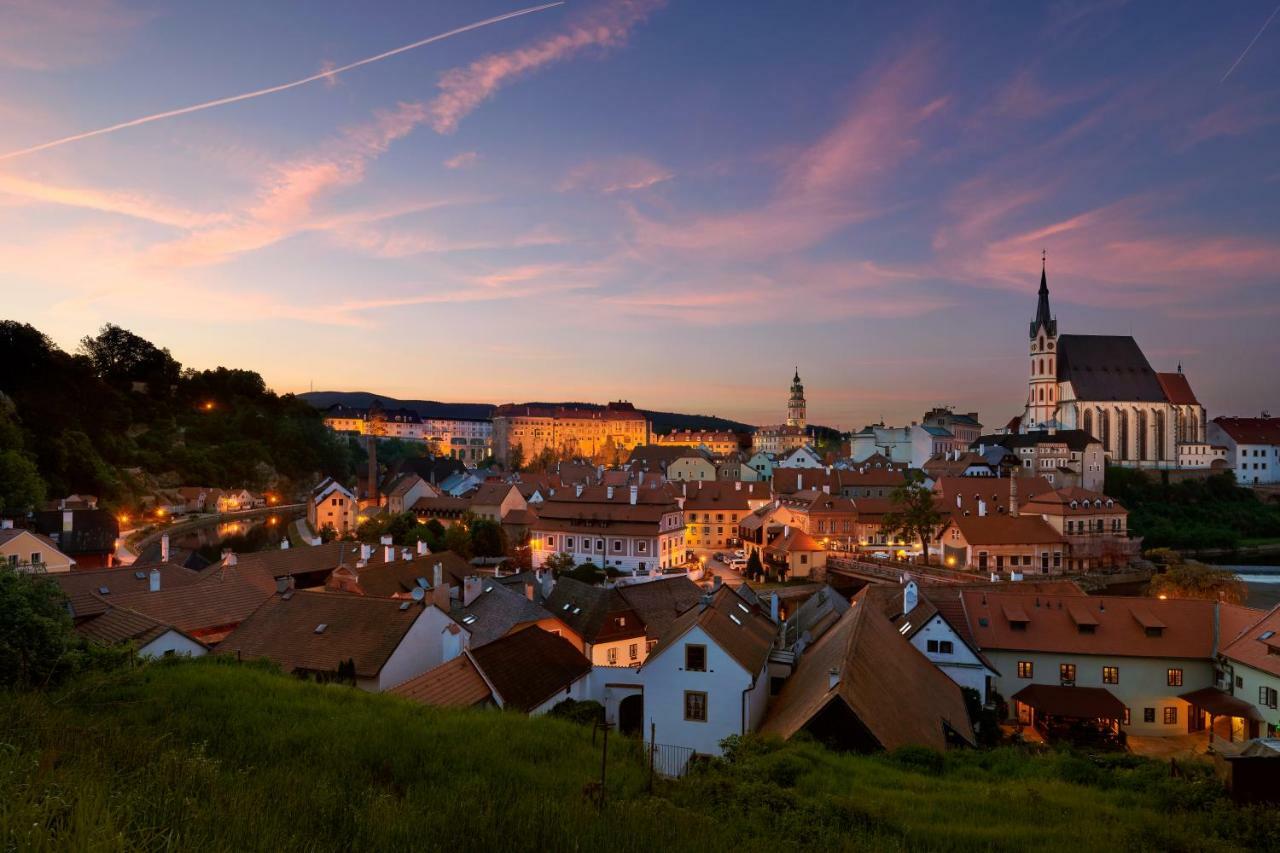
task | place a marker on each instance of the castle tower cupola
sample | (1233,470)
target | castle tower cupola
(796,405)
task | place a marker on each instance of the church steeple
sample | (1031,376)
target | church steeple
(796,405)
(1044,319)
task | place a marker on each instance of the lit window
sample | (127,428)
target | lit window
(1111,675)
(1175,680)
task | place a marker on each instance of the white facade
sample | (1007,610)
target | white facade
(630,553)
(579,691)
(421,648)
(1257,687)
(943,647)
(172,642)
(801,457)
(1142,683)
(1253,464)
(894,443)
(735,699)
(1201,455)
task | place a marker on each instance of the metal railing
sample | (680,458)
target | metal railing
(668,760)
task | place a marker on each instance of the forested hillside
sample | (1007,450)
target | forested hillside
(78,422)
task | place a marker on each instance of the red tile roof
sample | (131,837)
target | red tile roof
(453,684)
(1251,430)
(739,629)
(529,667)
(1006,530)
(1177,389)
(1249,648)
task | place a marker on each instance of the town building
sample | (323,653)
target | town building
(631,530)
(1251,673)
(712,511)
(88,537)
(1095,527)
(32,552)
(1063,457)
(694,467)
(717,442)
(530,672)
(1104,385)
(469,440)
(863,687)
(708,676)
(992,542)
(567,431)
(781,438)
(375,643)
(1252,447)
(891,443)
(1122,663)
(404,490)
(148,637)
(964,426)
(332,505)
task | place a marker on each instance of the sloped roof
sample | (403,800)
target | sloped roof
(1251,430)
(453,684)
(1177,389)
(221,599)
(1069,701)
(284,629)
(1248,647)
(994,490)
(384,580)
(1006,530)
(659,602)
(593,611)
(1107,367)
(897,694)
(120,625)
(83,589)
(529,667)
(491,494)
(732,623)
(496,611)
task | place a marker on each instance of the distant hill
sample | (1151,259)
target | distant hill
(663,422)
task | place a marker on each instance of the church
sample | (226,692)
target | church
(1104,385)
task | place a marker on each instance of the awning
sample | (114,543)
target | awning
(1086,703)
(1222,704)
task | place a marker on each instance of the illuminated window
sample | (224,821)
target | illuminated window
(1170,716)
(1111,675)
(1175,680)
(1026,669)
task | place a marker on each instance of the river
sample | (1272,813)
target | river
(1263,580)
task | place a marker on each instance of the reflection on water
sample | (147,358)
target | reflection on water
(241,536)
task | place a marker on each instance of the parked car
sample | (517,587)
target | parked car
(738,565)
(881,555)
(740,554)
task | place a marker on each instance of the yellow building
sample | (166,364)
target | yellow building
(568,431)
(718,442)
(22,549)
(332,505)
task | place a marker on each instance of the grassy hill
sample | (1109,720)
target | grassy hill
(218,756)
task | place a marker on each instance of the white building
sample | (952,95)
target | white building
(632,530)
(708,677)
(1252,447)
(1251,672)
(949,647)
(801,457)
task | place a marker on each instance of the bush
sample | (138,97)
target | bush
(921,759)
(584,713)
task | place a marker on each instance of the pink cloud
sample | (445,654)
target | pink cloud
(462,161)
(464,89)
(615,174)
(39,35)
(833,183)
(125,203)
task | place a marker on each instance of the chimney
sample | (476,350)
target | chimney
(440,597)
(982,507)
(826,488)
(958,500)
(471,588)
(388,553)
(422,548)
(284,585)
(715,584)
(406,554)
(528,590)
(737,485)
(608,492)
(68,523)
(6,524)
(437,575)
(366,551)
(548,584)
(635,494)
(799,482)
(1013,496)
(773,607)
(833,678)
(154,580)
(284,544)
(228,557)
(995,578)
(164,548)
(910,596)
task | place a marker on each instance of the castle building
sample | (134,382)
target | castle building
(569,430)
(1104,385)
(781,438)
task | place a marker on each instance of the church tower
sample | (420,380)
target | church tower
(1042,393)
(795,406)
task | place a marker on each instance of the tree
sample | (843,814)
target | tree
(1198,580)
(914,514)
(488,539)
(36,637)
(515,460)
(120,357)
(558,563)
(755,569)
(458,539)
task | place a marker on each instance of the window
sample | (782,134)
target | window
(1148,715)
(633,651)
(695,658)
(1175,680)
(617,545)
(1026,669)
(1111,675)
(1067,673)
(695,706)
(568,543)
(1171,716)
(940,647)
(1267,697)
(611,656)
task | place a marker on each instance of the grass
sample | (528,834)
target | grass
(211,755)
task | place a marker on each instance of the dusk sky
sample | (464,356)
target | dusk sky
(673,203)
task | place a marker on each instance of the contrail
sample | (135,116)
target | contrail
(1240,59)
(282,87)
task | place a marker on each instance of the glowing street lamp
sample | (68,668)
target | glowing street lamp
(208,406)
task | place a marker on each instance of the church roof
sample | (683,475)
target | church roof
(1177,389)
(1107,367)
(1043,317)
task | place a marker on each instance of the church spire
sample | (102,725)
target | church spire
(1044,319)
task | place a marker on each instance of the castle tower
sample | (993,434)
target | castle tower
(1042,390)
(795,406)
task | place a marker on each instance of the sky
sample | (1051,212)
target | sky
(672,203)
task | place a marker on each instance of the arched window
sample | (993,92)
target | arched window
(1041,395)
(1087,423)
(1104,418)
(1042,367)
(1142,434)
(1159,437)
(1123,428)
